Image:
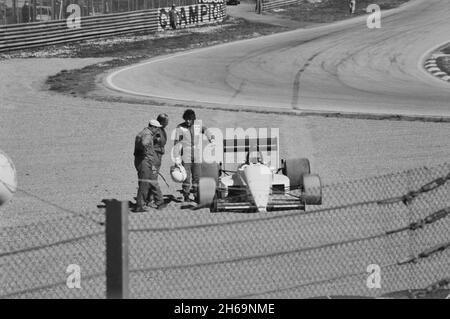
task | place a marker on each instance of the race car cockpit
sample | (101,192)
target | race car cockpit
(254,157)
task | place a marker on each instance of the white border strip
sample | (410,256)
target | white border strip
(426,62)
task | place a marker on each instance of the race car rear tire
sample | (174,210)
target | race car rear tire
(210,170)
(295,168)
(312,186)
(207,192)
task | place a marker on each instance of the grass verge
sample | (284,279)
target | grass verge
(331,10)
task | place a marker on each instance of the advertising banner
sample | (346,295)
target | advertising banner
(191,16)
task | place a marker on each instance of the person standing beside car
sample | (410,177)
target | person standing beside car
(187,149)
(147,163)
(160,142)
(159,146)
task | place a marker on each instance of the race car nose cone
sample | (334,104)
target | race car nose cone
(259,180)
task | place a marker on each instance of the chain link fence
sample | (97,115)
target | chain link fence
(399,222)
(35,258)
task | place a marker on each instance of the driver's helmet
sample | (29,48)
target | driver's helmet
(178,173)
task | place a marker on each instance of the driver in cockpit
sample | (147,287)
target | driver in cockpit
(254,157)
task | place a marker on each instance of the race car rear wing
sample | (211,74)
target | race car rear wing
(235,150)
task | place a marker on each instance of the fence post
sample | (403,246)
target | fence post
(53,6)
(33,10)
(14,12)
(116,249)
(259,6)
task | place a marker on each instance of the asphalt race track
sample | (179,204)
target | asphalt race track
(342,67)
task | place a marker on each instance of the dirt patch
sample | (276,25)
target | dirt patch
(331,10)
(443,63)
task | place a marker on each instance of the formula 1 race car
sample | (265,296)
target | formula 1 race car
(257,185)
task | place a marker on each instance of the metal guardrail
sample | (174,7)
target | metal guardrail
(272,4)
(14,37)
(35,25)
(37,34)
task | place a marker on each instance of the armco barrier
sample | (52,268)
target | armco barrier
(31,35)
(272,4)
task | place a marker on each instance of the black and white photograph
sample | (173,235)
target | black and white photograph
(224,155)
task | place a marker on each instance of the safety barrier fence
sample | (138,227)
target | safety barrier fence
(395,225)
(31,35)
(13,11)
(273,4)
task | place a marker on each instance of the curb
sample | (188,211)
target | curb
(431,66)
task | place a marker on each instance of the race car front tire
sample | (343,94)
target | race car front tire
(206,191)
(312,187)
